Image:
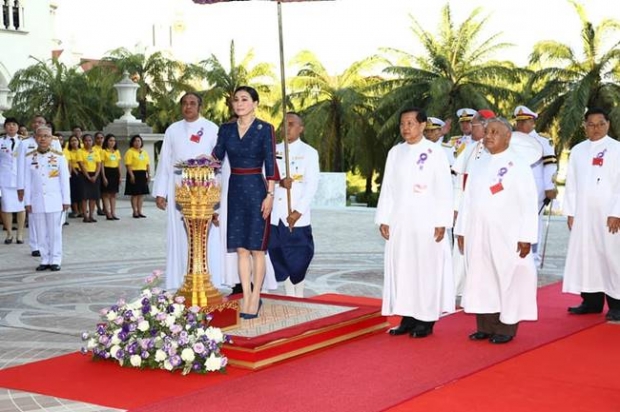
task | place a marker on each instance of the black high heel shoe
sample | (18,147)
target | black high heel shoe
(253,316)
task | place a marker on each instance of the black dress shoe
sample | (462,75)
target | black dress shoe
(36,253)
(499,339)
(54,268)
(583,310)
(421,331)
(41,268)
(400,330)
(479,336)
(613,315)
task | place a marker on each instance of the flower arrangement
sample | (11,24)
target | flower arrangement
(199,162)
(157,331)
(199,172)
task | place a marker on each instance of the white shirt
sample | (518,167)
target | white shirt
(304,170)
(9,150)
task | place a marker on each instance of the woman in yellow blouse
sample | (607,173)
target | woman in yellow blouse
(73,156)
(110,175)
(90,163)
(138,172)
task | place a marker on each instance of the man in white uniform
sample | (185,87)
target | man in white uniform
(465,117)
(29,144)
(46,196)
(434,132)
(544,169)
(189,138)
(291,246)
(592,204)
(470,152)
(495,229)
(414,210)
(9,149)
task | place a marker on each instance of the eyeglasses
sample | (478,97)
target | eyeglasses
(595,125)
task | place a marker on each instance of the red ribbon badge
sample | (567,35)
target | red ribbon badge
(195,138)
(496,188)
(597,161)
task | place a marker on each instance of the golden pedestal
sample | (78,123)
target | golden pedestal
(197,195)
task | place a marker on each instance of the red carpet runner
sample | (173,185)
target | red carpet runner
(369,374)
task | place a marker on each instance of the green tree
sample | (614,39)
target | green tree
(575,81)
(337,109)
(63,94)
(221,82)
(455,70)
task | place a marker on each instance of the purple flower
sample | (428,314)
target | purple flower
(144,355)
(153,332)
(85,335)
(104,340)
(120,354)
(83,350)
(175,329)
(196,366)
(122,335)
(128,314)
(101,328)
(175,360)
(199,347)
(146,309)
(179,299)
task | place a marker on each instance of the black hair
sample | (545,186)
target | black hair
(249,90)
(105,141)
(196,95)
(595,110)
(133,139)
(421,116)
(11,120)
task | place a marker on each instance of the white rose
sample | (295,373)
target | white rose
(91,344)
(214,334)
(213,363)
(111,315)
(143,326)
(199,332)
(147,293)
(115,339)
(187,355)
(160,355)
(168,366)
(135,360)
(114,350)
(170,319)
(178,309)
(154,310)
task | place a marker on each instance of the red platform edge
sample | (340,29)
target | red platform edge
(265,350)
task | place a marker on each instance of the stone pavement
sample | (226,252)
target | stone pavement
(42,314)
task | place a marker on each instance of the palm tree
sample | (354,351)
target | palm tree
(455,71)
(336,109)
(156,74)
(59,92)
(221,82)
(575,81)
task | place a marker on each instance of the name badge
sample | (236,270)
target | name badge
(597,161)
(141,157)
(112,157)
(89,158)
(496,188)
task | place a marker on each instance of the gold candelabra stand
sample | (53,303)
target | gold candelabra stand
(197,195)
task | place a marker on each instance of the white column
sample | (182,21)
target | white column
(10,13)
(20,12)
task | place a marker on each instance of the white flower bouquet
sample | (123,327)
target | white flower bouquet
(157,331)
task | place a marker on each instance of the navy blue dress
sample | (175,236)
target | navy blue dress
(247,186)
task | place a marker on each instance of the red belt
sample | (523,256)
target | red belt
(246,171)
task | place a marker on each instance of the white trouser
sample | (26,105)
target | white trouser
(49,230)
(32,233)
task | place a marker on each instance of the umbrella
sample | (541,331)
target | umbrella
(282,80)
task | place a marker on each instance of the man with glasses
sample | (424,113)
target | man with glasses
(592,204)
(544,169)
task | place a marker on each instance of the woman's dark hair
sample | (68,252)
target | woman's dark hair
(249,90)
(69,142)
(105,141)
(133,139)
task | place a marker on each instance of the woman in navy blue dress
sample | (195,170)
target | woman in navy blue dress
(249,144)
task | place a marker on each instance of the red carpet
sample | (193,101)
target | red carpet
(575,374)
(368,374)
(380,371)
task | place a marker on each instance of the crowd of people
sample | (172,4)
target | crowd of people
(93,168)
(491,185)
(461,216)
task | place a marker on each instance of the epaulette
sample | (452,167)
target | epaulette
(31,152)
(549,160)
(24,137)
(459,150)
(455,138)
(448,145)
(56,152)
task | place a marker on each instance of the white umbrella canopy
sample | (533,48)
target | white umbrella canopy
(282,78)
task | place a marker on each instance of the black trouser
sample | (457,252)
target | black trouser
(490,323)
(410,322)
(596,301)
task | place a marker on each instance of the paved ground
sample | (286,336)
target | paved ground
(43,314)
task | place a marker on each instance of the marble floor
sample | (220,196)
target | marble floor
(42,314)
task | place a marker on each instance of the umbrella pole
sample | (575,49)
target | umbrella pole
(283,84)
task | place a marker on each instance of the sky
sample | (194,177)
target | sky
(339,32)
